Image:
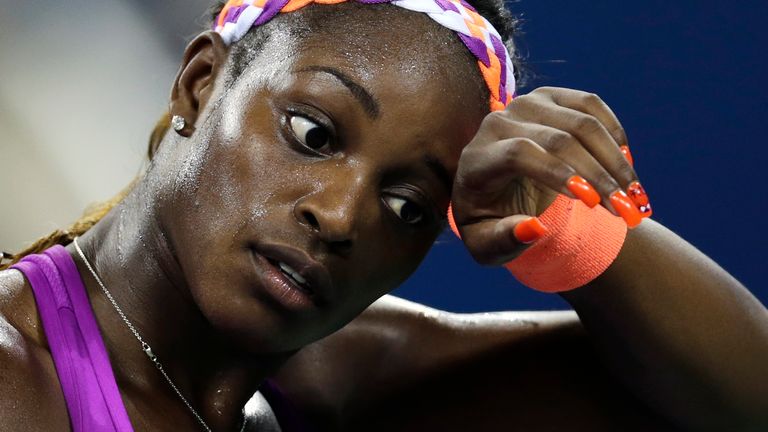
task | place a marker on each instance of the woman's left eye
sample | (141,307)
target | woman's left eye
(406,210)
(310,134)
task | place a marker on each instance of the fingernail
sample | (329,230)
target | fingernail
(627,154)
(626,208)
(584,191)
(530,230)
(637,194)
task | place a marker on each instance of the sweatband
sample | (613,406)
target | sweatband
(477,34)
(580,244)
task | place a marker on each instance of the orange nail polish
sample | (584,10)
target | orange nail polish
(638,195)
(625,151)
(530,230)
(584,191)
(626,208)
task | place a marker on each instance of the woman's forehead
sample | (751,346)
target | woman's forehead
(373,38)
(398,57)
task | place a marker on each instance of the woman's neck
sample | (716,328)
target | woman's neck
(134,259)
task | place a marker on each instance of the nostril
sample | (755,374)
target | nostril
(311,220)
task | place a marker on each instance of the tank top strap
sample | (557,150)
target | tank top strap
(79,355)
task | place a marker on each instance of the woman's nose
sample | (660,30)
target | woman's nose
(333,213)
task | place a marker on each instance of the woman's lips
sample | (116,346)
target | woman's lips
(294,275)
(280,286)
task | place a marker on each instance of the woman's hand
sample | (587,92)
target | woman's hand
(551,141)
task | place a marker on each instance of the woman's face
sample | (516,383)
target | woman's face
(332,158)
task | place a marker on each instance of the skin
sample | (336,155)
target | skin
(178,255)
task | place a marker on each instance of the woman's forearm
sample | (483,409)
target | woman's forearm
(681,331)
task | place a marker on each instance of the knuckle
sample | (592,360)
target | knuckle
(515,148)
(587,124)
(524,102)
(559,170)
(592,99)
(619,134)
(605,182)
(540,90)
(493,120)
(623,168)
(545,92)
(493,127)
(558,142)
(496,117)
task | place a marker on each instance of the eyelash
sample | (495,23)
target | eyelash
(295,140)
(428,214)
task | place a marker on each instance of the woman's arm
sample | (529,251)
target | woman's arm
(685,335)
(403,366)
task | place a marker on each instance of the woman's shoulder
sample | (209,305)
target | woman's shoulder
(30,396)
(18,308)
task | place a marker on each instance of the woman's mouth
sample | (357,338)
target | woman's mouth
(280,286)
(294,275)
(290,277)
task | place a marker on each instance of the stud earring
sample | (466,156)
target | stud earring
(178,123)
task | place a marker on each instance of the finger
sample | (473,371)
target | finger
(593,105)
(567,148)
(616,163)
(594,137)
(496,165)
(524,157)
(498,241)
(592,134)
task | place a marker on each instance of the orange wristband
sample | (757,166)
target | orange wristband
(580,244)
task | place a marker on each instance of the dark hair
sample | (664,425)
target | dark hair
(241,54)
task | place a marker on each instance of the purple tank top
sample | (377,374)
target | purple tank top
(82,364)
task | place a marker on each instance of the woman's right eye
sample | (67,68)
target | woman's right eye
(408,211)
(309,133)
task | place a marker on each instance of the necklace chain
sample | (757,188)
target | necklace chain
(144,345)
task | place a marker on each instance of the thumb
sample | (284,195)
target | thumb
(497,241)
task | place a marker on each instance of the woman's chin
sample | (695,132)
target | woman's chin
(259,328)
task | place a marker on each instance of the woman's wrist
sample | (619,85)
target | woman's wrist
(580,244)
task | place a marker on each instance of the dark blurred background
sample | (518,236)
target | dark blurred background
(82,83)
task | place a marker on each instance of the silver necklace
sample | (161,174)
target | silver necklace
(144,345)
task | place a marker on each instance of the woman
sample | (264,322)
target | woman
(309,164)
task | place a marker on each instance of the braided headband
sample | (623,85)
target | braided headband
(482,40)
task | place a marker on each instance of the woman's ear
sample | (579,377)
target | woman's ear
(204,58)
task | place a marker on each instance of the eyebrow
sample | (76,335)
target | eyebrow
(370,104)
(440,171)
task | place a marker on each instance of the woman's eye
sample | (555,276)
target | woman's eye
(404,209)
(309,133)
